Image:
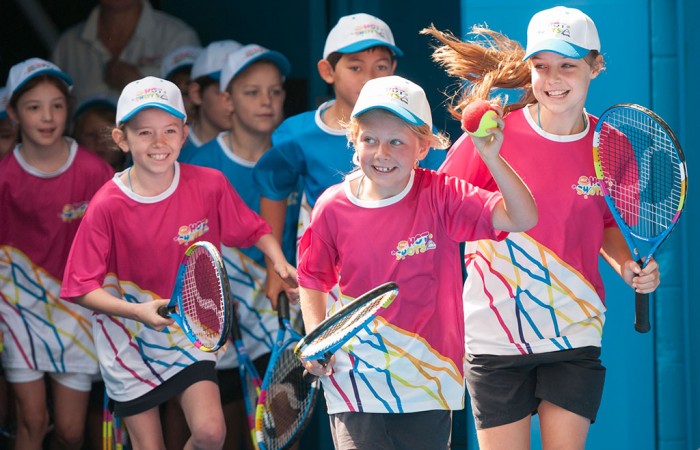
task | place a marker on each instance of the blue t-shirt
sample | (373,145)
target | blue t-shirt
(217,154)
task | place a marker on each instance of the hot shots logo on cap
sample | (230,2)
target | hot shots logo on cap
(368,30)
(397,93)
(41,65)
(558,29)
(151,93)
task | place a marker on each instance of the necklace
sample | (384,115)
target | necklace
(359,187)
(128,177)
(539,123)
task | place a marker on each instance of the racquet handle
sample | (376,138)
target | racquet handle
(310,377)
(641,313)
(165,311)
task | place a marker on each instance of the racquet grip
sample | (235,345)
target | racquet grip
(641,313)
(165,311)
(310,377)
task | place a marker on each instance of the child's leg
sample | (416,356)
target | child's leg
(70,412)
(145,430)
(201,404)
(32,413)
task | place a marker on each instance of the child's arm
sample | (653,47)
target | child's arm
(274,212)
(517,211)
(147,313)
(313,311)
(616,252)
(276,260)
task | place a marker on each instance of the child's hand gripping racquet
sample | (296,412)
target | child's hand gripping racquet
(250,378)
(287,400)
(331,334)
(201,302)
(642,174)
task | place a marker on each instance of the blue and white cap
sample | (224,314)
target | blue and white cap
(566,31)
(179,58)
(22,72)
(397,95)
(150,92)
(247,55)
(358,32)
(211,59)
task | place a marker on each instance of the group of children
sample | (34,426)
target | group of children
(90,252)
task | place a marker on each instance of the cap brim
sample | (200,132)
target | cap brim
(369,43)
(403,113)
(557,46)
(276,58)
(161,106)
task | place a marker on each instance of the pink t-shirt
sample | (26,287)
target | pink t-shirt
(132,246)
(410,358)
(41,213)
(540,290)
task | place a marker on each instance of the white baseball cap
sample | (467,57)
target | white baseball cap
(247,55)
(358,32)
(4,98)
(211,59)
(177,59)
(150,92)
(22,72)
(562,30)
(397,95)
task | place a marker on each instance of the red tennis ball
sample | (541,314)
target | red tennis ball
(478,117)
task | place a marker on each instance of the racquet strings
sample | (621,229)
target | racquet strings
(348,324)
(288,402)
(203,298)
(642,171)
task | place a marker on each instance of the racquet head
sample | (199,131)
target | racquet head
(641,169)
(336,330)
(205,302)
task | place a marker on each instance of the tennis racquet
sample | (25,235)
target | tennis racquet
(201,300)
(286,401)
(642,174)
(250,378)
(332,333)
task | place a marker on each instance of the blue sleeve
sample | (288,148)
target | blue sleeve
(277,173)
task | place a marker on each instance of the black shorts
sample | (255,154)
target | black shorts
(230,385)
(505,389)
(199,371)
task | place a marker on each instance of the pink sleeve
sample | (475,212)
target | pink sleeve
(317,268)
(240,225)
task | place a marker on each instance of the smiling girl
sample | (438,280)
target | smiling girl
(46,183)
(535,302)
(124,261)
(392,221)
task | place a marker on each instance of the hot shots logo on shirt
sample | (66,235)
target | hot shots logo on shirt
(588,186)
(188,233)
(73,211)
(419,243)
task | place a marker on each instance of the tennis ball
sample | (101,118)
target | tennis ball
(478,117)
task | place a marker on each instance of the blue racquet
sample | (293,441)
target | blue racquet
(201,301)
(287,400)
(641,172)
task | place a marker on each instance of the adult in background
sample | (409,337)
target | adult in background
(121,41)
